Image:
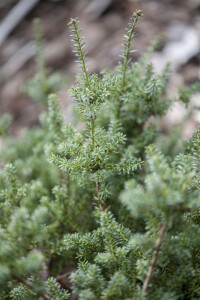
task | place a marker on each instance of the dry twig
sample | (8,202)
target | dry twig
(153,261)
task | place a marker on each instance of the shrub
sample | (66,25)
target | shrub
(101,213)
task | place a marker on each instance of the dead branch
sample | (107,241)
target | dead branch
(153,261)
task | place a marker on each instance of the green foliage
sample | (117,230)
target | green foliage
(165,188)
(55,291)
(106,260)
(195,144)
(22,293)
(101,212)
(186,92)
(5,121)
(43,83)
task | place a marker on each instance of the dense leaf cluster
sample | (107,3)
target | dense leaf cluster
(100,213)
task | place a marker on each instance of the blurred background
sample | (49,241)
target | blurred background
(103,23)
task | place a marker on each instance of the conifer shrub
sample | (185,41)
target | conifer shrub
(43,83)
(101,213)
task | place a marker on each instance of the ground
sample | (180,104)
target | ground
(103,23)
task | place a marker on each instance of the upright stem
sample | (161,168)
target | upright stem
(92,133)
(79,44)
(127,44)
(97,191)
(154,259)
(68,186)
(128,40)
(39,50)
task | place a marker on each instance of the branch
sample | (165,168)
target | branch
(29,285)
(153,261)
